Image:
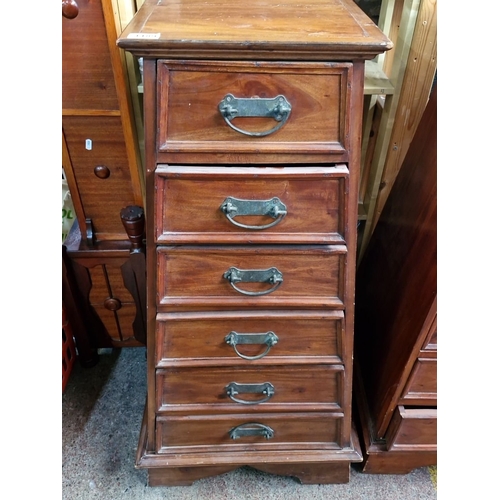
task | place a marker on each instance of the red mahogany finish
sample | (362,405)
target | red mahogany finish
(252,128)
(396,317)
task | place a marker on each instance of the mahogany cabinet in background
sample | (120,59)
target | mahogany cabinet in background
(396,317)
(102,164)
(101,156)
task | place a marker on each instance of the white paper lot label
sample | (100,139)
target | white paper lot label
(144,36)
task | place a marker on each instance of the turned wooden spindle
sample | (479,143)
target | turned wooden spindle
(133,222)
(69,9)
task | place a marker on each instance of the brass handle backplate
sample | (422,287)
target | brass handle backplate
(234,207)
(251,429)
(240,107)
(234,338)
(271,275)
(235,388)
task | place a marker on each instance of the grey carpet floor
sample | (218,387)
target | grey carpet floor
(101,415)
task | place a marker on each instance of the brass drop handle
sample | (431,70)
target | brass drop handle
(235,207)
(240,107)
(235,388)
(271,275)
(234,338)
(69,9)
(251,429)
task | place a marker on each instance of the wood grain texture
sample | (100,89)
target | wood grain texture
(188,201)
(102,275)
(421,388)
(396,318)
(193,51)
(297,388)
(107,281)
(351,235)
(149,71)
(101,199)
(397,277)
(123,91)
(192,277)
(120,325)
(416,86)
(413,429)
(321,29)
(303,337)
(211,433)
(190,121)
(95,86)
(377,458)
(310,473)
(87,77)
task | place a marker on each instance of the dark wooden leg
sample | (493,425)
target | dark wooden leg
(184,476)
(87,351)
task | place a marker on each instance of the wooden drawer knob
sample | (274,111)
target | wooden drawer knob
(102,171)
(112,304)
(69,9)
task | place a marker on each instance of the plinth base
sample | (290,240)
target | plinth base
(308,466)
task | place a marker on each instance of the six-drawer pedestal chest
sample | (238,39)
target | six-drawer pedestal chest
(252,127)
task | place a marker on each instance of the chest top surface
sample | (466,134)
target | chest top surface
(269,29)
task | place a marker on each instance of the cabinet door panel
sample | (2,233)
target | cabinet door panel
(87,72)
(102,197)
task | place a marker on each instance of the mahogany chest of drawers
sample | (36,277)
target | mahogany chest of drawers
(252,126)
(396,317)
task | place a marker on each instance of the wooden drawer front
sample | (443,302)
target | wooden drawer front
(189,201)
(312,276)
(422,383)
(102,198)
(412,429)
(197,433)
(430,344)
(191,124)
(301,337)
(205,389)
